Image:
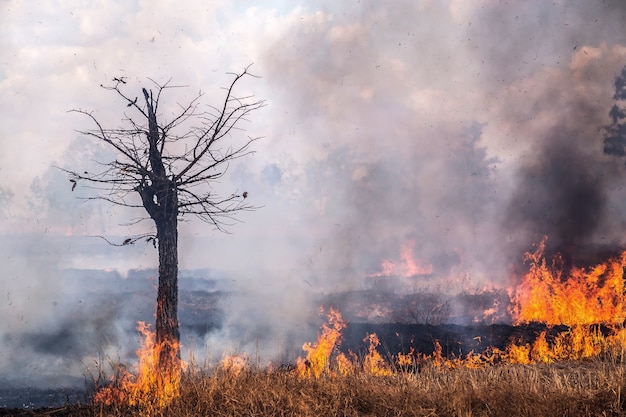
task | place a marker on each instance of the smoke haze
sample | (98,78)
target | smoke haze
(465,130)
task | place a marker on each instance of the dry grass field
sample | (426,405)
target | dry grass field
(578,388)
(578,372)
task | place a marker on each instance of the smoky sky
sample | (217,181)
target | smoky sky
(474,143)
(565,187)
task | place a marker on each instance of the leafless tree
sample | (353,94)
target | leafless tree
(172,166)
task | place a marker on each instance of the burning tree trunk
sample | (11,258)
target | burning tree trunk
(172,172)
(160,199)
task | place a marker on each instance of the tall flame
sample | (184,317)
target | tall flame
(374,363)
(318,359)
(583,297)
(318,354)
(149,385)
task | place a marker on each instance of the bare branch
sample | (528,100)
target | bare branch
(149,237)
(171,166)
(182,156)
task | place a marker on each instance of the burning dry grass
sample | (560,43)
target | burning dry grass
(583,388)
(580,371)
(509,390)
(551,295)
(148,386)
(545,379)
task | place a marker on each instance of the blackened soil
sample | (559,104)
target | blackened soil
(455,340)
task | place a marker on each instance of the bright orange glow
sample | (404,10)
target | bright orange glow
(234,364)
(582,298)
(318,355)
(585,296)
(586,302)
(149,385)
(580,342)
(374,364)
(406,361)
(519,354)
(407,267)
(346,365)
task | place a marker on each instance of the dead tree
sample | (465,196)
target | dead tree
(172,166)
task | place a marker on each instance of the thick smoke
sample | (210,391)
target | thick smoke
(562,193)
(565,187)
(474,143)
(396,158)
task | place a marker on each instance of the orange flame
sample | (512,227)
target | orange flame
(347,365)
(150,385)
(374,363)
(406,362)
(235,364)
(318,354)
(318,359)
(581,299)
(584,297)
(408,266)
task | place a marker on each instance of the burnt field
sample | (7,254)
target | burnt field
(455,340)
(98,327)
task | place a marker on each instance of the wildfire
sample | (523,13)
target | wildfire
(234,364)
(318,354)
(407,267)
(583,297)
(374,363)
(149,385)
(580,342)
(586,303)
(589,301)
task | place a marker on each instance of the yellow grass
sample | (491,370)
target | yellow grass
(582,388)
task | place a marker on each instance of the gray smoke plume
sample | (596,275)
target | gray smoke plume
(474,142)
(565,187)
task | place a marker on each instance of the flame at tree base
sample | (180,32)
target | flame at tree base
(152,385)
(583,308)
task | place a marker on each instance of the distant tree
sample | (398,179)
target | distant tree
(5,198)
(172,166)
(615,136)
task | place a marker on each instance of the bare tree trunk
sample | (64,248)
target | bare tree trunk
(165,180)
(167,331)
